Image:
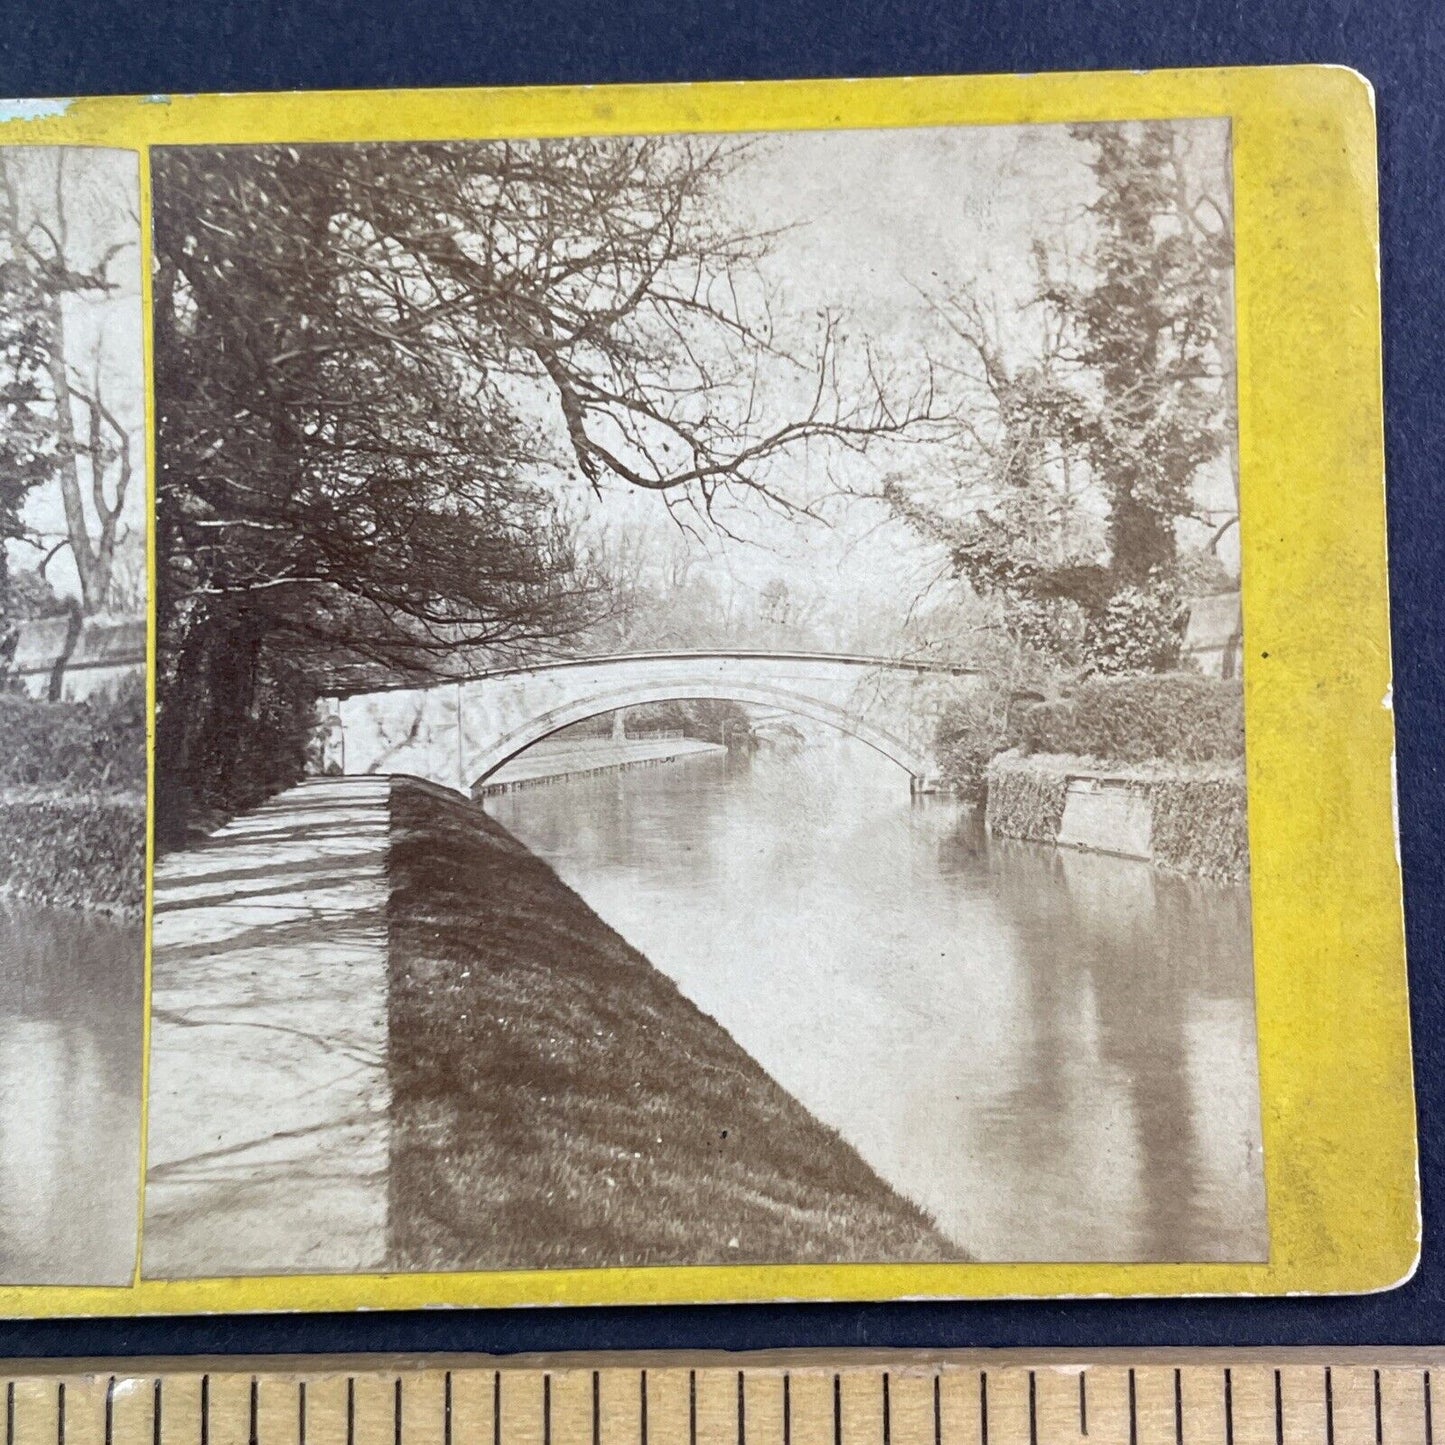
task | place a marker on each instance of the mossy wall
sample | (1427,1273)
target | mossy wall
(1199,823)
(1025,800)
(1201,826)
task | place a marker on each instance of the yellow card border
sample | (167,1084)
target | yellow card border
(1336,1081)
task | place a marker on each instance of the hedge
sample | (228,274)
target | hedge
(1163,717)
(74,851)
(95,744)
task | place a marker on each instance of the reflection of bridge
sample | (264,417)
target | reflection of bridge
(456,733)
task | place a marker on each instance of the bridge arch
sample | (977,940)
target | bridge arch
(458,733)
(482,763)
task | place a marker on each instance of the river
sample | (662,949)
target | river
(1053,1052)
(71,987)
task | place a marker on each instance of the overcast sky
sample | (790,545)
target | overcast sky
(870,224)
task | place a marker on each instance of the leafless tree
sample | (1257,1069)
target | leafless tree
(89,448)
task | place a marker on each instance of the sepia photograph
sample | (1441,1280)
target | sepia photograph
(698,702)
(73,712)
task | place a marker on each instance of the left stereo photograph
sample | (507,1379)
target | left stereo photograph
(73,606)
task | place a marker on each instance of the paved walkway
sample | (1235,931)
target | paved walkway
(270,1098)
(268,1129)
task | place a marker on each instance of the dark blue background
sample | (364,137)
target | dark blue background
(68,47)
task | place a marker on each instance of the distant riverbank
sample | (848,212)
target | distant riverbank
(549,760)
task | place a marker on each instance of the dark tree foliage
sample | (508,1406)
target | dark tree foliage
(370,358)
(333,492)
(30,597)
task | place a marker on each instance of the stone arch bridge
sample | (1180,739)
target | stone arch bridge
(458,733)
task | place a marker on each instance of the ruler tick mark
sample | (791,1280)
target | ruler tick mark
(887,1412)
(1178,1408)
(596,1412)
(1329,1407)
(1033,1410)
(1228,1407)
(446,1409)
(1429,1420)
(497,1407)
(351,1410)
(10,1412)
(787,1409)
(837,1410)
(691,1408)
(396,1414)
(251,1431)
(60,1413)
(547,1409)
(1278,1410)
(110,1410)
(742,1413)
(156,1416)
(983,1406)
(937,1410)
(1133,1412)
(1379,1413)
(642,1408)
(205,1409)
(1083,1402)
(301,1412)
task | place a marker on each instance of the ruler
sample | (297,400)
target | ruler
(1362,1397)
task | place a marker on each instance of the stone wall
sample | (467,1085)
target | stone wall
(86,656)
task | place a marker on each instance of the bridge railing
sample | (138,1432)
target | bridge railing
(861,661)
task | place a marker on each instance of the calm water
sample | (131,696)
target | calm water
(1052,1052)
(70,1091)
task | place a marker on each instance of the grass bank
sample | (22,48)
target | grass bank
(557,1101)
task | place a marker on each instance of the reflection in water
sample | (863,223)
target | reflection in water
(1053,1052)
(70,1095)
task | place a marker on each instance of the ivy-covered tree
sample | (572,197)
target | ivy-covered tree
(27,442)
(1149,332)
(1128,396)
